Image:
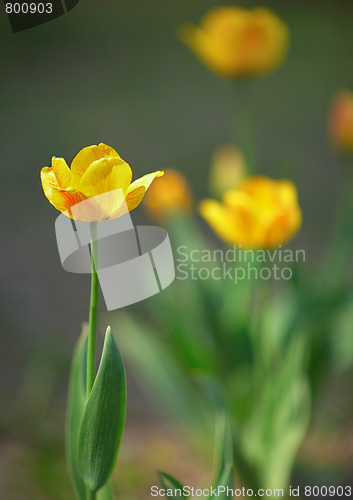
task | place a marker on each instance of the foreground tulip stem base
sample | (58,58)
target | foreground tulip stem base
(243,122)
(91,495)
(92,328)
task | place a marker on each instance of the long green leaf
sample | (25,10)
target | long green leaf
(103,418)
(224,485)
(223,458)
(170,484)
(223,444)
(75,407)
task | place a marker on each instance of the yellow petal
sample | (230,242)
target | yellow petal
(105,175)
(135,193)
(61,199)
(90,154)
(49,182)
(107,180)
(137,189)
(62,173)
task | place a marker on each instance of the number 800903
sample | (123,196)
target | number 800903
(29,8)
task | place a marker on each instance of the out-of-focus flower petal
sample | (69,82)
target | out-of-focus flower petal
(221,219)
(258,213)
(235,42)
(169,195)
(341,121)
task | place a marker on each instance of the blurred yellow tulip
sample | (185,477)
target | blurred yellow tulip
(95,170)
(235,42)
(170,195)
(341,121)
(227,169)
(259,213)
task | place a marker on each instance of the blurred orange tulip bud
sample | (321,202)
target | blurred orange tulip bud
(341,121)
(227,169)
(260,213)
(171,195)
(97,172)
(235,42)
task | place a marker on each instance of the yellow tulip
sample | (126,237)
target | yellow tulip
(258,213)
(170,195)
(227,169)
(235,42)
(341,121)
(95,170)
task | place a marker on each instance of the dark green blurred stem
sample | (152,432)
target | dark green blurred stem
(92,328)
(340,244)
(243,132)
(262,296)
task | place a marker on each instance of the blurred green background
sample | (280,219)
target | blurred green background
(115,72)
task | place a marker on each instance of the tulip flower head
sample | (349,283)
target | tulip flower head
(100,178)
(235,42)
(170,195)
(260,213)
(341,121)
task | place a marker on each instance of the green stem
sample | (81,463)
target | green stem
(92,328)
(243,123)
(92,325)
(339,250)
(91,495)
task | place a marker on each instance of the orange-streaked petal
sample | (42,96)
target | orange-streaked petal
(69,201)
(64,201)
(89,155)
